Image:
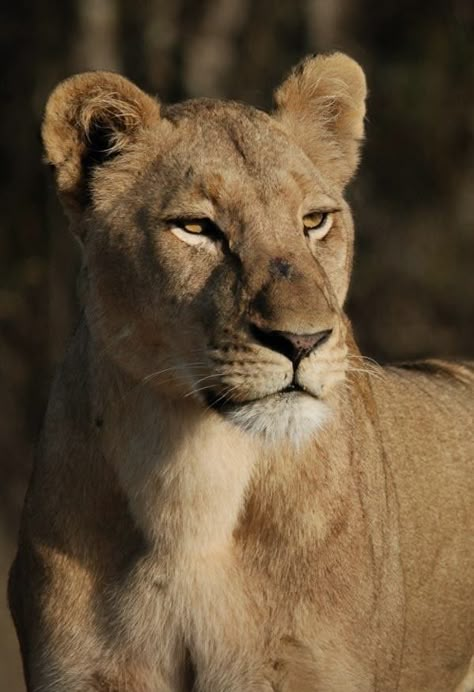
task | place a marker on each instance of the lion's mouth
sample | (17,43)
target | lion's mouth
(221,403)
(290,388)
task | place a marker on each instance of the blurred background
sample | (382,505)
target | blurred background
(413,285)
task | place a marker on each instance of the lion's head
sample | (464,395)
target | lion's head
(216,239)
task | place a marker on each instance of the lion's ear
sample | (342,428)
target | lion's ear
(89,119)
(322,105)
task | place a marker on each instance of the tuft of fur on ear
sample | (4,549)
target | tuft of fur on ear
(322,105)
(89,119)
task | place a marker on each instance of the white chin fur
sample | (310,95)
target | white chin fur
(292,418)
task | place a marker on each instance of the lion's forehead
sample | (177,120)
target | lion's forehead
(235,142)
(199,174)
(210,189)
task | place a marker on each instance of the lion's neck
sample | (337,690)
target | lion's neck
(187,472)
(184,470)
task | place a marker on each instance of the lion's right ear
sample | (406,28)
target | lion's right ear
(89,119)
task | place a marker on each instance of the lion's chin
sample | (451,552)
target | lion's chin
(291,417)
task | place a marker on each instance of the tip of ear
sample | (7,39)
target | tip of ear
(341,66)
(329,76)
(67,109)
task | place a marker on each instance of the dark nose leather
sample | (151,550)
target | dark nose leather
(293,346)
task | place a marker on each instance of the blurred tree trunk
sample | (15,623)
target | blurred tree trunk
(328,22)
(36,35)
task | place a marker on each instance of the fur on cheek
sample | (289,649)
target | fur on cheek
(293,419)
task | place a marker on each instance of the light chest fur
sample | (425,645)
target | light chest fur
(229,525)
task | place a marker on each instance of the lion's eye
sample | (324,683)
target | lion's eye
(194,226)
(199,232)
(317,224)
(197,226)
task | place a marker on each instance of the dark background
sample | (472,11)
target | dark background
(412,291)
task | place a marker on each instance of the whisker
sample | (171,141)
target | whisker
(185,366)
(196,391)
(364,358)
(369,373)
(178,370)
(225,394)
(207,377)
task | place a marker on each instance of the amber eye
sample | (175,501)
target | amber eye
(202,226)
(317,224)
(198,232)
(195,226)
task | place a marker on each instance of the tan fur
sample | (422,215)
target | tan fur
(189,526)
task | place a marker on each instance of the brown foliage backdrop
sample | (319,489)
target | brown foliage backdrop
(412,291)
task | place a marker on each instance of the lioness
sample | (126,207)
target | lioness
(227,496)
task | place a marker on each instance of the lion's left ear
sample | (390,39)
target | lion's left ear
(322,106)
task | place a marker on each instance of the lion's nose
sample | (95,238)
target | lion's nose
(293,346)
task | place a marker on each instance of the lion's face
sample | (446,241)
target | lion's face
(218,253)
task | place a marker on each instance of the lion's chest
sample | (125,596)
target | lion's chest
(207,603)
(206,622)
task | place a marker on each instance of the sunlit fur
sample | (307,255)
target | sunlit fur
(189,525)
